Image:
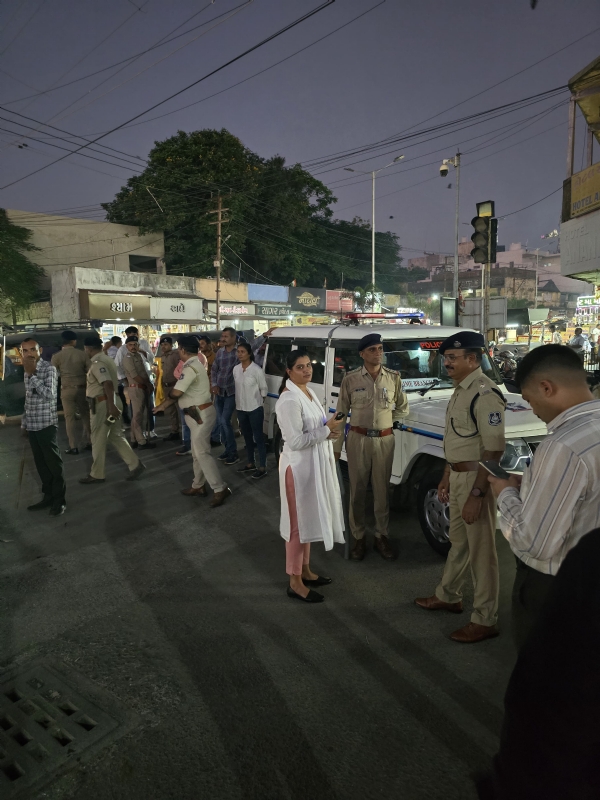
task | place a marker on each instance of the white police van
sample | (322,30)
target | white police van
(412,351)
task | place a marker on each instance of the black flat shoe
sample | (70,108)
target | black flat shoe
(320,581)
(311,597)
(42,504)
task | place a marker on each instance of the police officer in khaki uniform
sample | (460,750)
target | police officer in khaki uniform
(474,432)
(192,394)
(374,397)
(72,365)
(169,360)
(104,405)
(140,389)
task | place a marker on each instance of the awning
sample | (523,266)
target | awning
(585,88)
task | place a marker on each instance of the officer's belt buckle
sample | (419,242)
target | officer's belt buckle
(373,433)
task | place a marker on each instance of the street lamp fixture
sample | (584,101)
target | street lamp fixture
(373,174)
(444,168)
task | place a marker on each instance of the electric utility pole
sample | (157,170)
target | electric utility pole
(217,262)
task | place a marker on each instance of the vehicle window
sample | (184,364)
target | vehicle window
(345,360)
(421,366)
(317,357)
(277,353)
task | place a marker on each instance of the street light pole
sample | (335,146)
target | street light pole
(456,231)
(373,175)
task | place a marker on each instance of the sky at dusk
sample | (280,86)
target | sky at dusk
(393,70)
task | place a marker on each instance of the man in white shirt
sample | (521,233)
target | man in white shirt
(555,334)
(558,500)
(580,343)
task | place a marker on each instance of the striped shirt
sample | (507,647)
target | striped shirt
(559,499)
(40,398)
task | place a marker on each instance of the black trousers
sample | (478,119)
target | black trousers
(48,462)
(126,407)
(529,593)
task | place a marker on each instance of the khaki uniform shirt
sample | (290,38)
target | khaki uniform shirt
(72,365)
(194,384)
(463,440)
(374,404)
(134,364)
(102,369)
(168,364)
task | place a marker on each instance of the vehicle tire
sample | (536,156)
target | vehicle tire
(434,516)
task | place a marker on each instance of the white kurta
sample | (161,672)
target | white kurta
(309,454)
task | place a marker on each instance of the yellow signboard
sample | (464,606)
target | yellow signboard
(585,191)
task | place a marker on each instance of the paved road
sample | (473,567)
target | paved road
(242,694)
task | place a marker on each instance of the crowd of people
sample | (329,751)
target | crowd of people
(550,515)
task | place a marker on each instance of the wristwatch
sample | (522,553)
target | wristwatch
(477,492)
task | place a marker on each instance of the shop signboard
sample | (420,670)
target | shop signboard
(273,311)
(587,301)
(113,306)
(230,310)
(337,301)
(585,191)
(172,309)
(308,300)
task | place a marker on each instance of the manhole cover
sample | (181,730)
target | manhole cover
(49,719)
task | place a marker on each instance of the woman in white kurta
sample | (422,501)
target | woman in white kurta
(311,504)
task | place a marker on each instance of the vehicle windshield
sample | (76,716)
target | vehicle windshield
(421,367)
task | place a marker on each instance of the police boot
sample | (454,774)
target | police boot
(359,549)
(382,545)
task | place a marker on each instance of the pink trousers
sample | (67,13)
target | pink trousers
(296,553)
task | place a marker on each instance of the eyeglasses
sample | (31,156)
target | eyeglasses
(452,358)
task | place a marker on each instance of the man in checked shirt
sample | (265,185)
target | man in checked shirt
(557,502)
(40,424)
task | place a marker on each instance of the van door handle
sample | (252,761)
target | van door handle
(335,394)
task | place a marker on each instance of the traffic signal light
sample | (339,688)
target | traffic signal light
(486,233)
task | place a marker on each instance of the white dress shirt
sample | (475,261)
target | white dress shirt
(559,499)
(250,387)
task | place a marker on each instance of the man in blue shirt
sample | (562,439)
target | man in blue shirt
(223,388)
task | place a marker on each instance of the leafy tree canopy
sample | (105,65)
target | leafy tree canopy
(279,221)
(19,277)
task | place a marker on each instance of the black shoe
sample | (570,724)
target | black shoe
(135,473)
(232,460)
(89,479)
(247,468)
(320,581)
(222,457)
(46,502)
(172,437)
(133,445)
(147,446)
(260,473)
(56,511)
(72,451)
(311,597)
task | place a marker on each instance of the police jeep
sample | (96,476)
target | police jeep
(412,350)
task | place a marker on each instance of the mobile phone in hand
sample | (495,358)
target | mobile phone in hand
(495,469)
(340,415)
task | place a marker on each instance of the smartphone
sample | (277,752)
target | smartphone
(340,415)
(495,469)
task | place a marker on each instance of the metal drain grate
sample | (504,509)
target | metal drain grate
(48,719)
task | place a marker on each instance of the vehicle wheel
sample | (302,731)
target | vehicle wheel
(434,516)
(277,445)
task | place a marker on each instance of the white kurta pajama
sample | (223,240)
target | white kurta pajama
(309,455)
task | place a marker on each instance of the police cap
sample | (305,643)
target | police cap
(369,340)
(68,336)
(189,344)
(462,340)
(93,341)
(168,339)
(131,339)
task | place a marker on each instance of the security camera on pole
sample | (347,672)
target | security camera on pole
(484,252)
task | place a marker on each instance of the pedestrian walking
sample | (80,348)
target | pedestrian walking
(40,424)
(139,389)
(259,347)
(311,504)
(557,501)
(250,392)
(373,395)
(72,365)
(555,334)
(192,394)
(169,359)
(550,736)
(223,388)
(474,432)
(104,408)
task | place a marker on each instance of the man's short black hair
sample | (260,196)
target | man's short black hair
(131,329)
(551,359)
(115,340)
(229,330)
(94,342)
(68,336)
(30,339)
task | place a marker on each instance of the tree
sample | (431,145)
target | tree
(19,277)
(279,227)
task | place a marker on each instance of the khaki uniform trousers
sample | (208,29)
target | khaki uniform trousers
(139,408)
(172,412)
(369,458)
(473,545)
(205,466)
(73,400)
(102,435)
